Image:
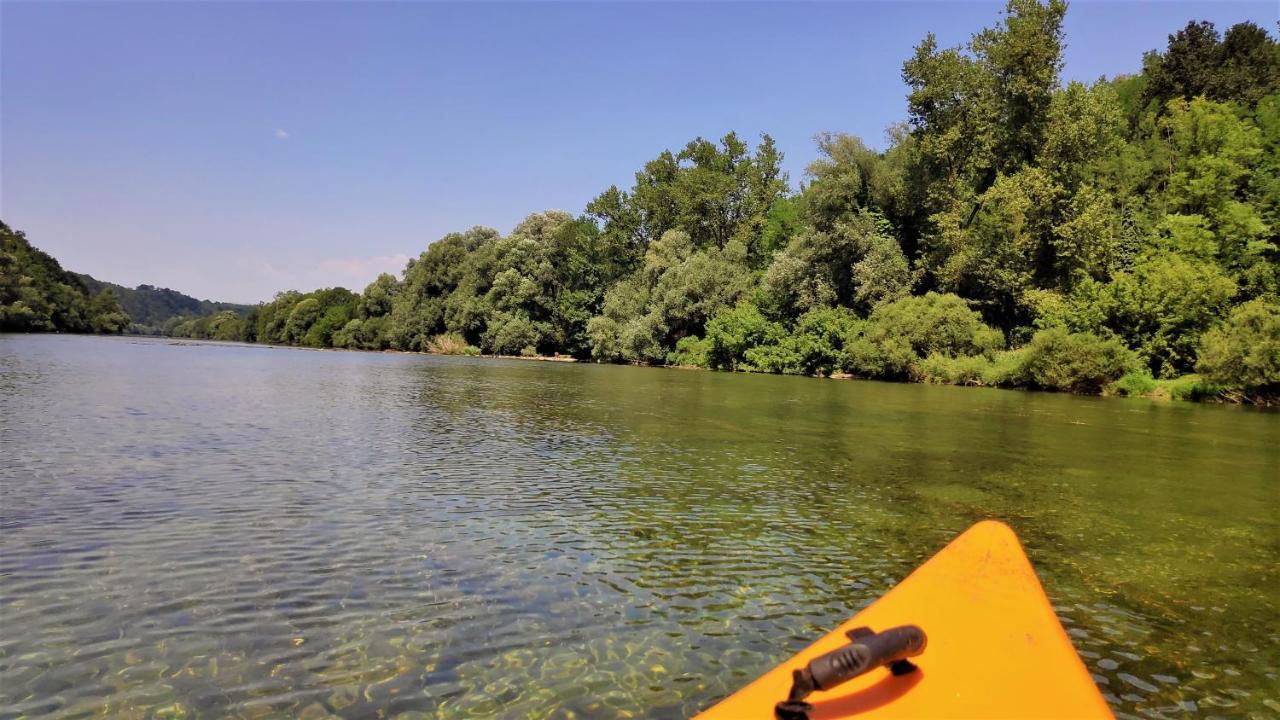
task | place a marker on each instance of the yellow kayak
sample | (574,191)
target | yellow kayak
(969,634)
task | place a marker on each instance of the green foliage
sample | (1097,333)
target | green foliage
(715,193)
(744,339)
(1187,387)
(1074,362)
(939,369)
(1163,305)
(732,333)
(691,351)
(1135,383)
(322,318)
(1118,234)
(818,340)
(379,297)
(511,334)
(856,263)
(106,316)
(604,335)
(37,295)
(149,307)
(899,334)
(1243,66)
(1243,352)
(779,358)
(447,344)
(847,178)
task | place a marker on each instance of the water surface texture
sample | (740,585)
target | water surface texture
(226,531)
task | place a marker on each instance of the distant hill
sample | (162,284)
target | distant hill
(38,295)
(152,307)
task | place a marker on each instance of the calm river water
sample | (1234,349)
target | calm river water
(217,531)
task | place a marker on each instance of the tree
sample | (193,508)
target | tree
(379,296)
(733,332)
(1023,58)
(301,317)
(714,192)
(106,316)
(1162,307)
(976,116)
(899,334)
(37,295)
(1244,66)
(1243,352)
(857,263)
(848,177)
(996,255)
(1083,363)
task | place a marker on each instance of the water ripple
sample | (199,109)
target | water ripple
(220,531)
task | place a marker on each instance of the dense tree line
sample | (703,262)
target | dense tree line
(155,310)
(37,295)
(1120,235)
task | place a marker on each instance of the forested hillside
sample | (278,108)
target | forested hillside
(1117,236)
(155,310)
(37,295)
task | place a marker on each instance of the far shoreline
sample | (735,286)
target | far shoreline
(1156,397)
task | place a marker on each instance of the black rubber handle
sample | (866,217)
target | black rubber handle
(866,652)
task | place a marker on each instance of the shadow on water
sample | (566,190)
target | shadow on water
(210,531)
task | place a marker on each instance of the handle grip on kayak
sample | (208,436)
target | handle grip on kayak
(866,651)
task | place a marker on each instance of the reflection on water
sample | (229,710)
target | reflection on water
(223,531)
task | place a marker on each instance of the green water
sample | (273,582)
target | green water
(225,531)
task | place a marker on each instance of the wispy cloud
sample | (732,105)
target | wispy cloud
(282,134)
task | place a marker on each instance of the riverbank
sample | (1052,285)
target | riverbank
(1186,388)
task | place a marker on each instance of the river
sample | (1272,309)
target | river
(213,530)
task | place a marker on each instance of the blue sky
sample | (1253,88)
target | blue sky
(231,150)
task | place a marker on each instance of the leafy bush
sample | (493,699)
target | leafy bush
(638,341)
(509,334)
(780,358)
(1005,369)
(1136,383)
(603,335)
(1074,362)
(447,344)
(321,332)
(1162,307)
(899,334)
(1187,387)
(347,336)
(942,370)
(1243,353)
(743,339)
(819,338)
(691,351)
(732,333)
(1139,383)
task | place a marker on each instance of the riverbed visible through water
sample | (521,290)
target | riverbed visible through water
(212,530)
